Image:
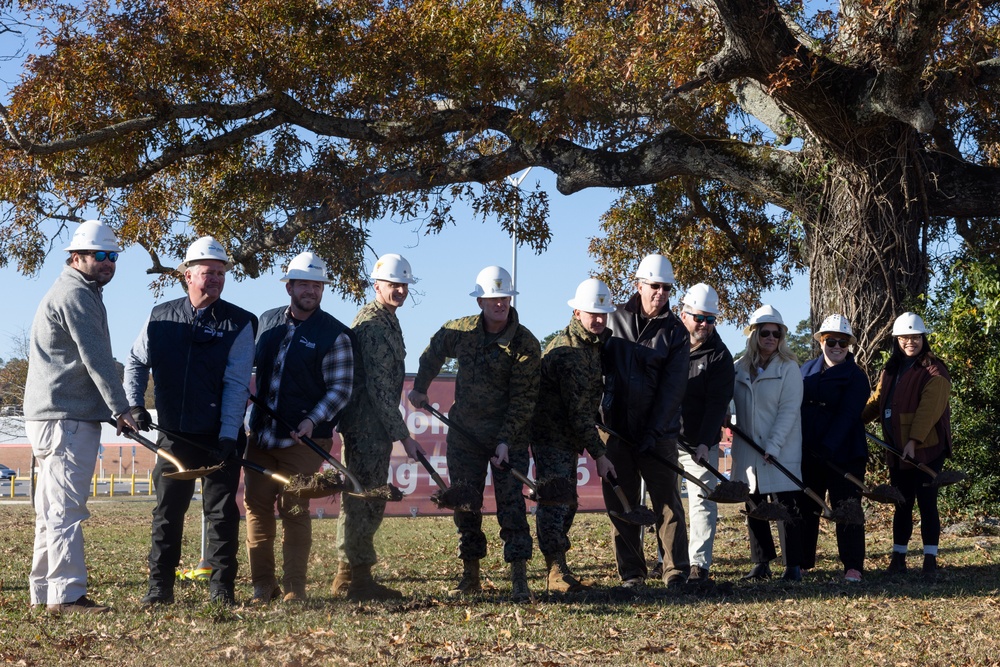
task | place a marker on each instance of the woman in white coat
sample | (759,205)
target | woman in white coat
(768,399)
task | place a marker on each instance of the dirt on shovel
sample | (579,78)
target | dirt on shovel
(320,485)
(849,511)
(883,493)
(386,492)
(729,492)
(768,511)
(947,478)
(637,516)
(460,496)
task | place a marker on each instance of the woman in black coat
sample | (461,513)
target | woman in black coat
(835,391)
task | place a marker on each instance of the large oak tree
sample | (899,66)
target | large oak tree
(749,138)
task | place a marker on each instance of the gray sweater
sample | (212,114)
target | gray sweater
(71,370)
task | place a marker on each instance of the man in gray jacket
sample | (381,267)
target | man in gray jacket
(73,385)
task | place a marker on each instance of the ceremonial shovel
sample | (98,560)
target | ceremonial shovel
(938,479)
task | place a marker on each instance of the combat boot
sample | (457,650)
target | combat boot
(470,583)
(364,587)
(560,578)
(343,579)
(519,591)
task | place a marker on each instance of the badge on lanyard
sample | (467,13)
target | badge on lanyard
(888,413)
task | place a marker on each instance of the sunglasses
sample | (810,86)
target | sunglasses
(708,319)
(836,342)
(658,286)
(767,333)
(101,255)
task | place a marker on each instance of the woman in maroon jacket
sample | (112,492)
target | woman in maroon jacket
(911,402)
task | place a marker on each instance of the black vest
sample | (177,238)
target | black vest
(189,362)
(302,383)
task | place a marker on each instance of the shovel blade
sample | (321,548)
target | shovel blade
(885,494)
(729,492)
(947,478)
(769,511)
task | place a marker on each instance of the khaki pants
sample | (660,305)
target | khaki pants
(261,493)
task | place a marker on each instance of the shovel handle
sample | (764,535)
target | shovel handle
(923,467)
(250,465)
(309,443)
(430,469)
(846,475)
(662,459)
(704,464)
(518,475)
(827,512)
(148,444)
(613,481)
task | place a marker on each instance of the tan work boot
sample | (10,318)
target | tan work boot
(519,591)
(560,578)
(343,579)
(296,593)
(364,587)
(470,582)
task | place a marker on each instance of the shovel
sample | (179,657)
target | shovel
(386,492)
(846,512)
(883,493)
(548,492)
(303,486)
(726,491)
(182,472)
(765,511)
(938,479)
(460,497)
(640,516)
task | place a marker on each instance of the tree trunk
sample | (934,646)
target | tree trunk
(867,259)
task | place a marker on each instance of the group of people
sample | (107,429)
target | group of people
(658,384)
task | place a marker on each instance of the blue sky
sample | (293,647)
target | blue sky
(446,265)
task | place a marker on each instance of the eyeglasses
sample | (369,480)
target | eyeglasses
(767,333)
(913,338)
(101,255)
(658,286)
(836,342)
(707,319)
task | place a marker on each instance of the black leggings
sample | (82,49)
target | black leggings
(910,482)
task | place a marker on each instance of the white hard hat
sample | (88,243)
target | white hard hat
(393,268)
(765,315)
(702,297)
(835,324)
(306,266)
(93,235)
(592,296)
(655,269)
(204,248)
(909,324)
(493,282)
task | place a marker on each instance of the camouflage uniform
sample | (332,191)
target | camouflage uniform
(569,396)
(371,423)
(495,393)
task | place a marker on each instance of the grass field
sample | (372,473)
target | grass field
(953,620)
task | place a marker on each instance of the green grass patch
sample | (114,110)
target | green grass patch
(821,621)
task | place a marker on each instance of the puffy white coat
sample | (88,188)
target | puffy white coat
(769,409)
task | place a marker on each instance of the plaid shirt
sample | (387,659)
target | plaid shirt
(338,374)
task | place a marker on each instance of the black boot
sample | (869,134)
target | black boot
(792,573)
(759,572)
(930,568)
(897,565)
(160,592)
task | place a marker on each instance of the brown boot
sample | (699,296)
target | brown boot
(364,587)
(343,579)
(560,578)
(519,591)
(470,582)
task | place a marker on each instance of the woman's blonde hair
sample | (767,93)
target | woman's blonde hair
(751,361)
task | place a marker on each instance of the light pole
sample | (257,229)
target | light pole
(516,182)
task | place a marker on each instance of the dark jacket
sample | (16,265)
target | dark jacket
(709,390)
(188,361)
(832,402)
(302,382)
(645,374)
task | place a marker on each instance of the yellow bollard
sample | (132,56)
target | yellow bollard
(149,483)
(13,483)
(95,486)
(132,487)
(111,491)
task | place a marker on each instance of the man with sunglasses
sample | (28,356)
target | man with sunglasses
(72,386)
(646,367)
(200,352)
(709,390)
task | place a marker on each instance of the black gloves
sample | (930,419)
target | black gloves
(227,447)
(142,417)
